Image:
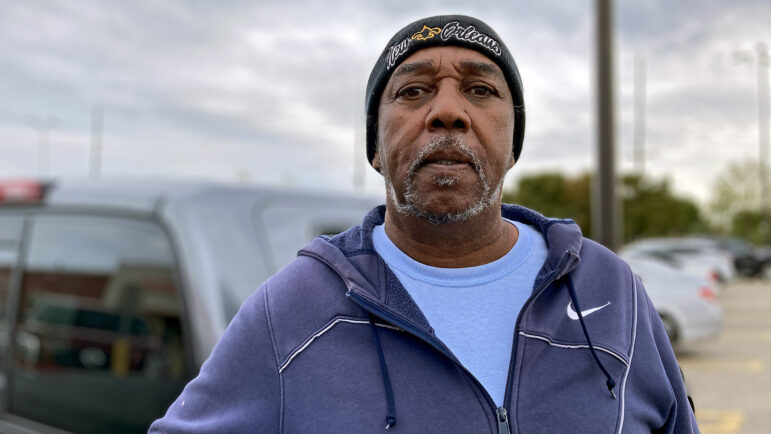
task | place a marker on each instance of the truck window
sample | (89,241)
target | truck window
(290,226)
(99,344)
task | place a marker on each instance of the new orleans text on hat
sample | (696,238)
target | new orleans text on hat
(448,31)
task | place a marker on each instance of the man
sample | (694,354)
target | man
(444,311)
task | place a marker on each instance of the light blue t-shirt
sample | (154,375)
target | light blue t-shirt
(473,310)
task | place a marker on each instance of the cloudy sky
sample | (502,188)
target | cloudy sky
(273,92)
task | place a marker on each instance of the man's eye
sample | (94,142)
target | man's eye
(482,91)
(411,92)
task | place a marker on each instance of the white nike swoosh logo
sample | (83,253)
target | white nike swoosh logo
(573,315)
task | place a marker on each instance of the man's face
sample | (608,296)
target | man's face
(445,133)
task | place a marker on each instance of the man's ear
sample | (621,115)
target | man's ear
(376,162)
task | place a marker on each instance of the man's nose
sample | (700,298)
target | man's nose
(448,110)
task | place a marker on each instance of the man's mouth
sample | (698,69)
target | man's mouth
(446,158)
(444,162)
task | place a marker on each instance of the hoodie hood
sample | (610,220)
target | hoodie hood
(352,251)
(351,255)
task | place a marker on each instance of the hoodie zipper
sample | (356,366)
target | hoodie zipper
(501,415)
(503,421)
(560,271)
(375,309)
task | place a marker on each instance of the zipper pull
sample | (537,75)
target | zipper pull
(503,421)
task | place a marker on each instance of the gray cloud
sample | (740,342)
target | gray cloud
(274,91)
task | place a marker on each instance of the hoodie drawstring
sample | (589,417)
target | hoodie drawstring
(391,407)
(611,383)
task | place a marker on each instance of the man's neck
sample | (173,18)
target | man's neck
(479,240)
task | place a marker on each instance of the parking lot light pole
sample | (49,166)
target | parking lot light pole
(639,113)
(97,132)
(605,227)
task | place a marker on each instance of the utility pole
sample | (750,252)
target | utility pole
(97,128)
(358,170)
(605,226)
(762,55)
(359,152)
(640,109)
(43,127)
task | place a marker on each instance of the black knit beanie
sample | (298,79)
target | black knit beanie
(440,31)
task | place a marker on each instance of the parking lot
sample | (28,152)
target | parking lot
(730,378)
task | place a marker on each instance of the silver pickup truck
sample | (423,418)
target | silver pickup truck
(112,294)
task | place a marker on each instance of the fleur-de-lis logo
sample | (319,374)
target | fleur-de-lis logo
(426,33)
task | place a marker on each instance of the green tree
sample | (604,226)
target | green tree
(735,190)
(650,208)
(735,206)
(750,225)
(554,195)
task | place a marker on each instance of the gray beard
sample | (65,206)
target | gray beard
(413,204)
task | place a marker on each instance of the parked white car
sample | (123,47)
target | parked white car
(686,302)
(696,255)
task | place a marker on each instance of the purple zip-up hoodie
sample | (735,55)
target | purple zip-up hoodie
(334,344)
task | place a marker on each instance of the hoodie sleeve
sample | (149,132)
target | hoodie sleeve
(680,417)
(238,388)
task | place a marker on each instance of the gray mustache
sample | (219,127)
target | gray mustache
(454,142)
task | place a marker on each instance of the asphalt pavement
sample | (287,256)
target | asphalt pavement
(729,377)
